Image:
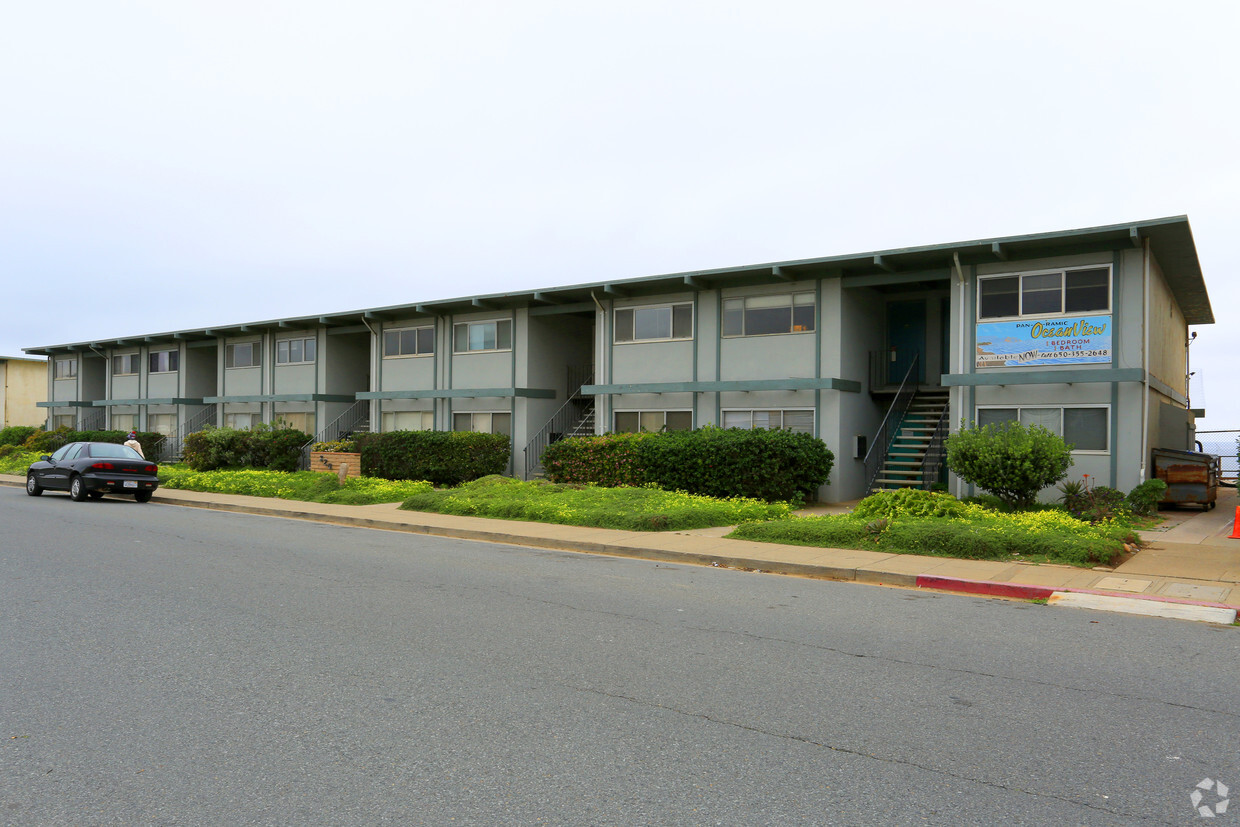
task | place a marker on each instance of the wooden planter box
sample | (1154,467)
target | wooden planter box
(332,460)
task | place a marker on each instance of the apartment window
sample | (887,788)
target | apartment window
(631,422)
(64,421)
(410,341)
(800,421)
(468,337)
(125,364)
(240,421)
(768,315)
(1056,292)
(1085,428)
(66,368)
(297,420)
(295,351)
(124,422)
(243,355)
(483,422)
(408,421)
(163,361)
(163,423)
(654,323)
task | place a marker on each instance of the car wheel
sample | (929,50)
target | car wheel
(143,496)
(32,486)
(77,489)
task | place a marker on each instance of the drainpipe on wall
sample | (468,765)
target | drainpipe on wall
(376,362)
(1145,359)
(961,362)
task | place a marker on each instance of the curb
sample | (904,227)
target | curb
(1142,604)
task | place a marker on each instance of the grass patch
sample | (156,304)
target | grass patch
(1048,536)
(306,486)
(634,509)
(15,460)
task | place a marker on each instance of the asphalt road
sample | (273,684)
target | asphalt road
(165,665)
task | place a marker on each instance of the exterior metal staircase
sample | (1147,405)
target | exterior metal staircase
(574,418)
(914,456)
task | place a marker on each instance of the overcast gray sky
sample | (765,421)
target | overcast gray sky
(176,165)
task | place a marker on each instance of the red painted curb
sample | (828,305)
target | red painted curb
(986,587)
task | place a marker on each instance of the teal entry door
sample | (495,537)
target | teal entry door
(906,338)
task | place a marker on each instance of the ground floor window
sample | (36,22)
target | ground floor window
(299,420)
(1086,428)
(800,421)
(631,422)
(124,422)
(408,421)
(162,423)
(64,421)
(483,422)
(240,421)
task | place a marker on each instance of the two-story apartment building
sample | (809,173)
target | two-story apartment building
(1082,331)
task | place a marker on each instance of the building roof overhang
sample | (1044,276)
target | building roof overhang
(1171,242)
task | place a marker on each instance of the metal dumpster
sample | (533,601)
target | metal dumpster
(1191,477)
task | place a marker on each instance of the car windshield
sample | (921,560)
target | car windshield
(108,450)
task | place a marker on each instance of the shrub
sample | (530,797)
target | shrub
(347,446)
(440,457)
(909,502)
(45,442)
(263,447)
(17,434)
(1009,460)
(1093,504)
(771,465)
(1145,497)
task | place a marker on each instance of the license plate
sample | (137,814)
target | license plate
(131,483)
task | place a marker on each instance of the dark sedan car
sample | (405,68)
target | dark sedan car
(92,469)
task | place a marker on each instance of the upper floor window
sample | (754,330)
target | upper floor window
(243,355)
(124,364)
(295,351)
(767,315)
(409,341)
(163,361)
(1086,290)
(66,368)
(473,336)
(654,323)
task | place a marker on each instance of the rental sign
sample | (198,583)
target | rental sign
(1076,340)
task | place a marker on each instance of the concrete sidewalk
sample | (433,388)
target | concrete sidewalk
(1190,566)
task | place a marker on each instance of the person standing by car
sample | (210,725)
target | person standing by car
(132,442)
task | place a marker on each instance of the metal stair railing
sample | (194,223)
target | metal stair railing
(94,420)
(348,422)
(936,451)
(170,448)
(560,423)
(890,429)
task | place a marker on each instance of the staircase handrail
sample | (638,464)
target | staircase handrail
(936,454)
(343,424)
(558,423)
(171,446)
(887,432)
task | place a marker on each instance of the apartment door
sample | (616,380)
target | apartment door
(906,339)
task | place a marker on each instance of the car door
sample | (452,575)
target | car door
(57,475)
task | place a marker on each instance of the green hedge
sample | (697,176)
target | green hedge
(771,465)
(440,457)
(263,447)
(17,434)
(45,442)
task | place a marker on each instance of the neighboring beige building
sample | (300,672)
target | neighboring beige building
(23,385)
